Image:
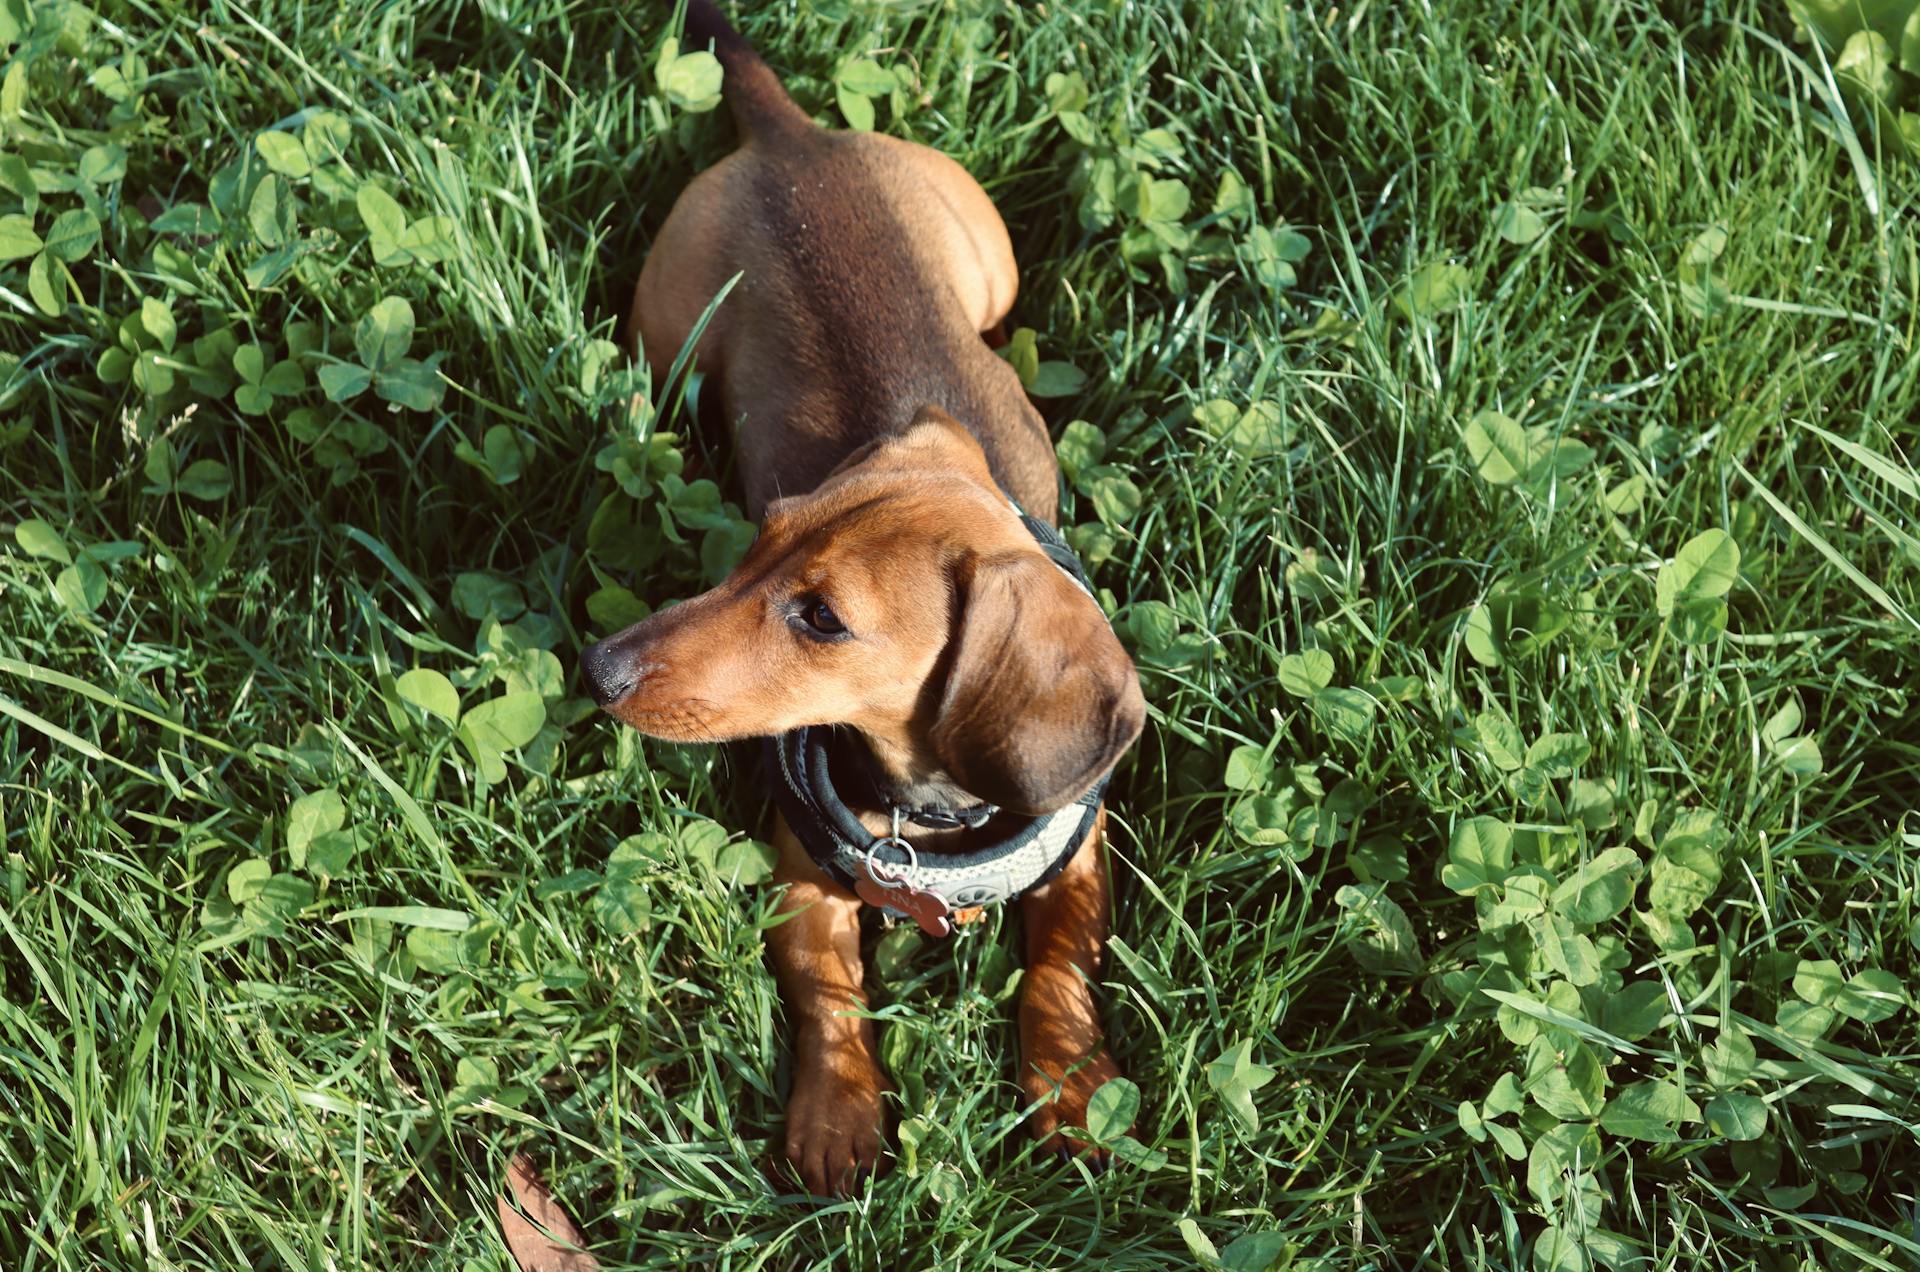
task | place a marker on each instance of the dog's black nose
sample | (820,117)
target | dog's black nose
(609,671)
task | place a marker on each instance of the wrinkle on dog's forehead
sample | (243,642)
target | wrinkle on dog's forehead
(877,523)
(879,547)
(872,548)
(929,504)
(883,564)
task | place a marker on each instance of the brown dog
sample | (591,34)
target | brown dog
(893,593)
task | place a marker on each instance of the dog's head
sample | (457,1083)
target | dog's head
(904,598)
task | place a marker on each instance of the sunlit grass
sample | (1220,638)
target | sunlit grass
(305,1067)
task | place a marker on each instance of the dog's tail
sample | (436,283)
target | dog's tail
(754,93)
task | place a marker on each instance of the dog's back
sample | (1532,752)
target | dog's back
(869,266)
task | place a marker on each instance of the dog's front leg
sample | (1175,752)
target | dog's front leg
(1062,1047)
(836,1114)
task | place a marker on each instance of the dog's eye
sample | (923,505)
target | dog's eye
(809,615)
(820,617)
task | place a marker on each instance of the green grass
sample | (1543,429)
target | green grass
(221,1046)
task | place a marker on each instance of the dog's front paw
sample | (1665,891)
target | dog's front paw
(1062,1102)
(836,1122)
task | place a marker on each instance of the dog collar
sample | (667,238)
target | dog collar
(1021,852)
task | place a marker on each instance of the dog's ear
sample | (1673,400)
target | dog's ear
(1040,699)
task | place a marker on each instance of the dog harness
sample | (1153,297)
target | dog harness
(1021,852)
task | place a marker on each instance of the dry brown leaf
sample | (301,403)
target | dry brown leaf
(532,1249)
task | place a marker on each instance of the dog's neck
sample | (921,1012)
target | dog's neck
(881,776)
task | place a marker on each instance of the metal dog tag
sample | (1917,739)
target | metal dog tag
(890,892)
